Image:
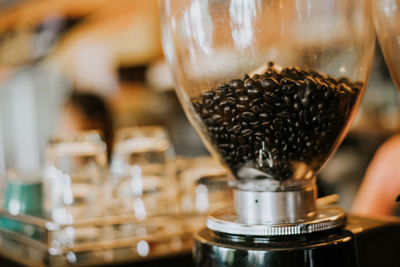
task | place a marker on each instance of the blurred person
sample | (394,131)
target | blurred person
(381,184)
(87,111)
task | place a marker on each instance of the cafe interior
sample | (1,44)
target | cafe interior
(128,136)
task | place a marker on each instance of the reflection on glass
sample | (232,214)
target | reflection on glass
(74,176)
(199,31)
(242,13)
(143,248)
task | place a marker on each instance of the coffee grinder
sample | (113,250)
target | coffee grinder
(272,87)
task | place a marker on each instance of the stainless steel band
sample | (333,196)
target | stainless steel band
(275,207)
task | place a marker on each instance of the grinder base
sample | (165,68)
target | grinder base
(330,248)
(362,242)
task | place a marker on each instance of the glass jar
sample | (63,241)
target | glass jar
(271,87)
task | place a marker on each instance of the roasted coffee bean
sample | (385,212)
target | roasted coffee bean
(263,116)
(236,84)
(285,114)
(239,92)
(217,98)
(237,128)
(217,118)
(249,83)
(227,111)
(296,106)
(255,109)
(309,144)
(197,106)
(246,132)
(266,123)
(271,97)
(286,100)
(276,118)
(258,138)
(241,139)
(256,145)
(248,116)
(277,141)
(224,146)
(244,149)
(257,102)
(278,122)
(241,107)
(244,99)
(254,91)
(269,83)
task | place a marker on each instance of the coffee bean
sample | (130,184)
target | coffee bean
(296,106)
(254,92)
(309,144)
(244,99)
(197,106)
(267,140)
(310,82)
(269,83)
(227,111)
(278,122)
(246,132)
(241,139)
(249,83)
(248,116)
(257,102)
(224,146)
(263,116)
(255,109)
(271,97)
(217,118)
(241,107)
(284,116)
(266,123)
(236,84)
(244,149)
(286,100)
(239,92)
(237,128)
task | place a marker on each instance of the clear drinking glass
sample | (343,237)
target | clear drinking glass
(74,176)
(271,86)
(140,166)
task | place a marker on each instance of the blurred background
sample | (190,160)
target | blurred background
(62,63)
(50,49)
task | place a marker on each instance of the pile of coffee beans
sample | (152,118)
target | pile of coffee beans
(270,121)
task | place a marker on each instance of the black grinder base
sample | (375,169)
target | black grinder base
(363,242)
